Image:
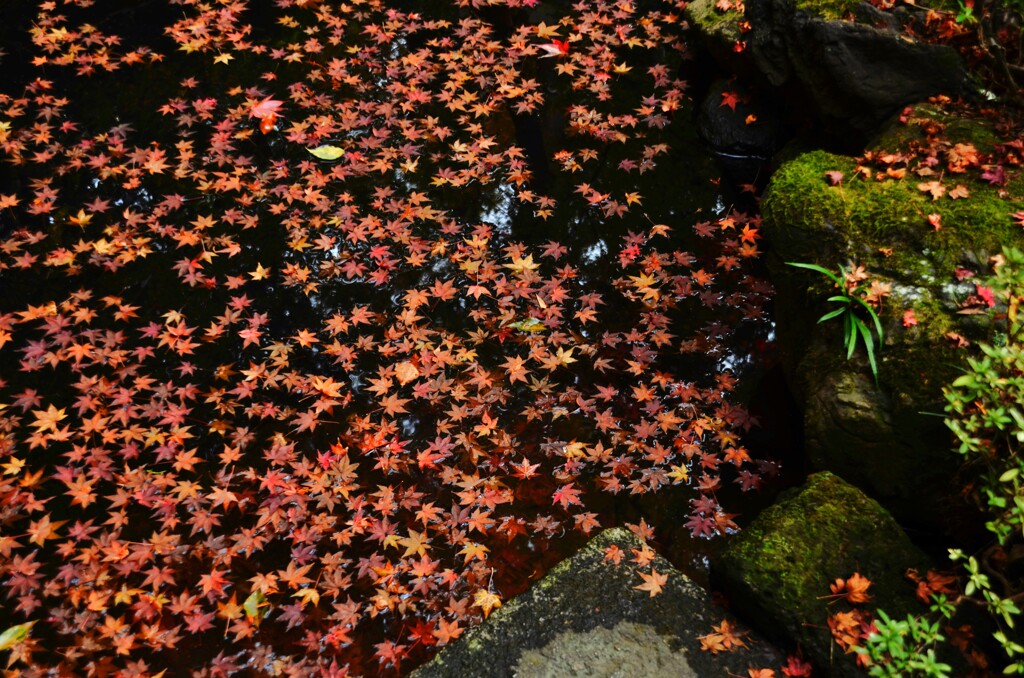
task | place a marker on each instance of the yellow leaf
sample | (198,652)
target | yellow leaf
(255,606)
(260,273)
(15,635)
(81,219)
(520,265)
(574,449)
(13,467)
(679,474)
(530,325)
(544,31)
(307,596)
(327,152)
(486,601)
(565,357)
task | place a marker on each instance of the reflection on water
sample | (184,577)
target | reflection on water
(268,412)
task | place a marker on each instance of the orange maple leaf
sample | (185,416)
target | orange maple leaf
(653,582)
(854,589)
(725,638)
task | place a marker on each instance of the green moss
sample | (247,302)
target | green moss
(923,117)
(713,22)
(883,226)
(917,373)
(861,218)
(782,565)
(827,9)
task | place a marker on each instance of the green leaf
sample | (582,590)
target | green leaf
(327,152)
(851,334)
(255,605)
(873,316)
(832,314)
(1009,475)
(15,635)
(817,269)
(869,346)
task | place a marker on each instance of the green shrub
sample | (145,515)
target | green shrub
(985,411)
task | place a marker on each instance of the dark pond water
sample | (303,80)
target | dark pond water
(266,412)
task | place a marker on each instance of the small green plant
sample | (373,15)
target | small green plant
(985,410)
(985,405)
(966,13)
(906,647)
(851,301)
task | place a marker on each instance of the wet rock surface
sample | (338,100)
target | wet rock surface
(585,618)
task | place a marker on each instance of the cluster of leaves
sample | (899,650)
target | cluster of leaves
(327,407)
(984,412)
(893,647)
(940,166)
(941,169)
(727,637)
(986,32)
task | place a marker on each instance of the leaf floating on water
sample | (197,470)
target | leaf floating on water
(530,325)
(255,606)
(327,152)
(15,635)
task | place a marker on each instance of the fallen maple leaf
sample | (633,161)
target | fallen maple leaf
(723,639)
(653,582)
(933,188)
(486,601)
(834,177)
(959,192)
(854,589)
(265,108)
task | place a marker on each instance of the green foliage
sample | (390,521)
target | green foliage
(850,303)
(965,15)
(906,647)
(985,410)
(985,407)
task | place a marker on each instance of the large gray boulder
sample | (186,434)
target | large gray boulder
(855,75)
(842,64)
(585,618)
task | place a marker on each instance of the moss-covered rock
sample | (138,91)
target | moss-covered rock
(587,618)
(777,572)
(714,23)
(886,438)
